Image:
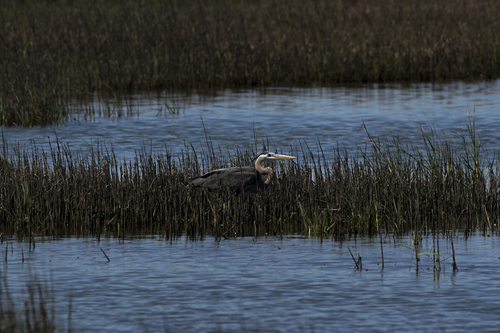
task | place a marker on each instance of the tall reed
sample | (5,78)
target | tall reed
(445,186)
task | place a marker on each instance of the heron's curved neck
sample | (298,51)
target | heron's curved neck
(264,171)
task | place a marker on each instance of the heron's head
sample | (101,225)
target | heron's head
(273,156)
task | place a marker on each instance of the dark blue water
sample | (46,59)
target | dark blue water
(269,285)
(284,117)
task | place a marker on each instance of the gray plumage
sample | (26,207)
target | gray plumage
(239,179)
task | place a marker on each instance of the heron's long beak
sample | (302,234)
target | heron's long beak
(283,157)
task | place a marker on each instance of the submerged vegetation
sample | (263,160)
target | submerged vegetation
(442,187)
(53,52)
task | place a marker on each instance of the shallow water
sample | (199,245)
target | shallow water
(271,285)
(283,116)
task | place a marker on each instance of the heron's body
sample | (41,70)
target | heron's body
(239,179)
(245,179)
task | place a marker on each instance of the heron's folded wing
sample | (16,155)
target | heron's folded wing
(235,178)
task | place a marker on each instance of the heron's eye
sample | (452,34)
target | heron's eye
(268,155)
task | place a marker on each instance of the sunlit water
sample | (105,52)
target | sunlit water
(285,117)
(269,285)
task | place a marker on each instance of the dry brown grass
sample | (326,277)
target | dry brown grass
(54,50)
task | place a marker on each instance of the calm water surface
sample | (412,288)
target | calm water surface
(271,285)
(284,116)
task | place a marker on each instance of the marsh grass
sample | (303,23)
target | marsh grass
(33,314)
(443,187)
(55,51)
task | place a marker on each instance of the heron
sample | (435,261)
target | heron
(240,179)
